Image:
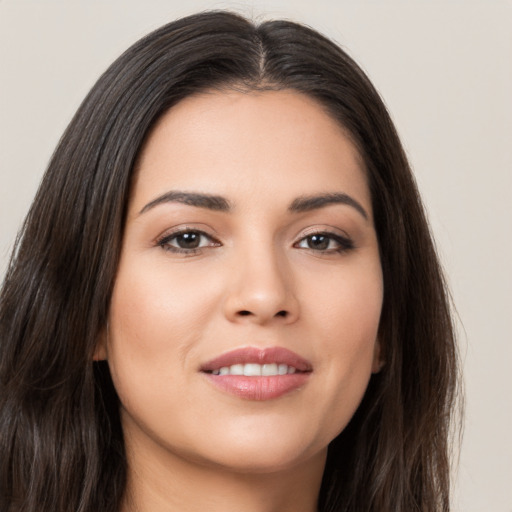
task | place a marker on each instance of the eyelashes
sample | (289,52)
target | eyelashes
(187,241)
(190,241)
(325,242)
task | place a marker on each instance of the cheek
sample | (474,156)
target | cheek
(346,313)
(346,305)
(155,321)
(156,310)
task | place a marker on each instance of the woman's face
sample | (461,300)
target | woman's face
(244,317)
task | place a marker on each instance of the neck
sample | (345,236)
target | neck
(173,483)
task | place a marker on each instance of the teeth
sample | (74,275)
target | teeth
(269,369)
(282,369)
(252,370)
(255,370)
(236,369)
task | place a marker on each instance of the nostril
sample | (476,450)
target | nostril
(245,312)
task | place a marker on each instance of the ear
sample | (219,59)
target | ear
(100,352)
(378,363)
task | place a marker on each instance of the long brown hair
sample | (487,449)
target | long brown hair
(61,442)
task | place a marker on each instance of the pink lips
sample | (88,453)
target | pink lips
(258,387)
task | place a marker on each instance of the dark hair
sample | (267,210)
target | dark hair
(61,443)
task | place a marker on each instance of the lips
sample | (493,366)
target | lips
(258,374)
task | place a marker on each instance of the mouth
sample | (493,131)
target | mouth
(258,374)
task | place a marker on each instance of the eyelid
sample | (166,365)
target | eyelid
(164,239)
(345,241)
(323,229)
(201,228)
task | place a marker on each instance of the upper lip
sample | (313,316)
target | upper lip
(270,355)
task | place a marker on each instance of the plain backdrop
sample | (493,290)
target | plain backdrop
(444,69)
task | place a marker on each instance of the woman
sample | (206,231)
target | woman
(225,294)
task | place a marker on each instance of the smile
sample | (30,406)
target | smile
(258,374)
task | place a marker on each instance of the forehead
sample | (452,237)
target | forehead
(231,142)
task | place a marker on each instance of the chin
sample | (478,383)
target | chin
(262,452)
(247,461)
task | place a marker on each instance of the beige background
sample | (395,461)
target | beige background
(445,71)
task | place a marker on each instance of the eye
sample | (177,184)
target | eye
(325,242)
(188,241)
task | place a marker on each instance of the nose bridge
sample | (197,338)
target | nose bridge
(261,284)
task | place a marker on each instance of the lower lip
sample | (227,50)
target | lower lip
(259,388)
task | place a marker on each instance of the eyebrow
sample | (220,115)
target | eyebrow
(221,204)
(308,203)
(216,203)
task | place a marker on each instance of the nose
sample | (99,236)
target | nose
(261,290)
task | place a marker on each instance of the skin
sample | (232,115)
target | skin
(190,445)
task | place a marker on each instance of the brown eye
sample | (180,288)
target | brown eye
(318,242)
(325,242)
(187,241)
